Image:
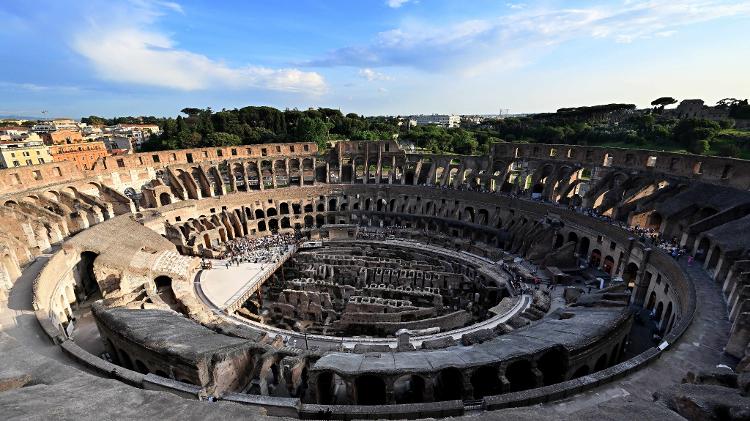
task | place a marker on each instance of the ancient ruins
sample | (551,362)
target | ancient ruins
(369,282)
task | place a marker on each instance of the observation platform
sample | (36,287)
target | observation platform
(227,288)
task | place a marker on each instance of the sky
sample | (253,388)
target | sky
(111,58)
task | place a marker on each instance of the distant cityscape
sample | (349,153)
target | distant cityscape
(25,142)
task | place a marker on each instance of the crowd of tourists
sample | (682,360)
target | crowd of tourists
(266,249)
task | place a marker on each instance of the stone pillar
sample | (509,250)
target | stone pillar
(260,175)
(328,173)
(286,166)
(417,170)
(379,172)
(638,296)
(625,258)
(315,171)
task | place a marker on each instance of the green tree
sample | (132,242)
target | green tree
(222,139)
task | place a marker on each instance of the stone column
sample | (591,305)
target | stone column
(379,171)
(328,173)
(315,171)
(641,283)
(260,175)
(288,177)
(417,170)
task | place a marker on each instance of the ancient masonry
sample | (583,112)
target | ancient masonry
(423,286)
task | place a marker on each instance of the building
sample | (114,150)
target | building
(444,120)
(84,154)
(62,137)
(57,124)
(21,154)
(120,143)
(695,108)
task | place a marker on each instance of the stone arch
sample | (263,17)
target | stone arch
(409,389)
(553,366)
(449,384)
(651,301)
(609,264)
(485,381)
(631,271)
(86,272)
(326,388)
(601,363)
(596,257)
(667,317)
(582,371)
(165,199)
(520,376)
(659,311)
(583,246)
(140,367)
(370,390)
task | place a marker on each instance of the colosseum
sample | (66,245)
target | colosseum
(539,281)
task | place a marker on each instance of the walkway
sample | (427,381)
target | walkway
(700,348)
(18,319)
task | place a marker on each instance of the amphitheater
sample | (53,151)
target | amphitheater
(536,282)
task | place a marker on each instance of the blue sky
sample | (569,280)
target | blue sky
(155,57)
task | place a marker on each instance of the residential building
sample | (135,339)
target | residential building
(84,154)
(444,120)
(23,153)
(62,137)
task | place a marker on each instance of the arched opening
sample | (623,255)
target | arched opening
(485,381)
(165,199)
(163,282)
(261,226)
(559,240)
(409,389)
(125,360)
(370,390)
(703,246)
(582,371)
(596,258)
(141,367)
(86,272)
(259,214)
(659,311)
(450,385)
(326,388)
(583,247)
(651,301)
(714,259)
(609,264)
(601,363)
(520,376)
(309,221)
(654,221)
(553,366)
(667,317)
(631,271)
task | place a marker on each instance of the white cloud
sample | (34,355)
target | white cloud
(372,75)
(515,38)
(396,3)
(129,52)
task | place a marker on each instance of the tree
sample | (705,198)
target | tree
(312,130)
(222,139)
(660,103)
